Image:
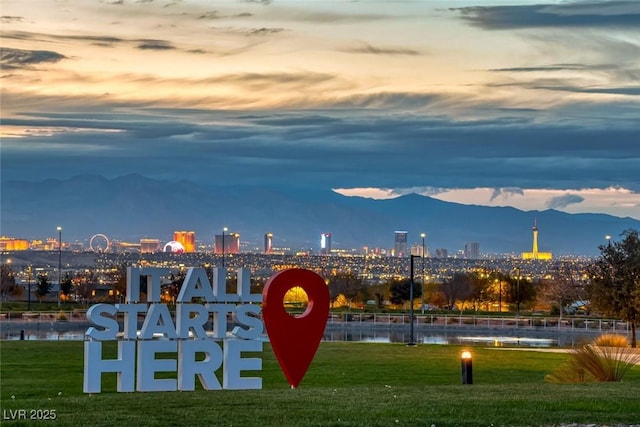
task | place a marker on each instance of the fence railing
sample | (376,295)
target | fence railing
(46,316)
(391,320)
(480,322)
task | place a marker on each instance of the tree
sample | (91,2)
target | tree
(42,286)
(458,288)
(346,284)
(7,281)
(481,290)
(614,288)
(85,285)
(521,291)
(380,292)
(66,285)
(562,289)
(120,280)
(400,291)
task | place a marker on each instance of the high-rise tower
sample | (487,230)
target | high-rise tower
(231,243)
(535,237)
(534,254)
(268,243)
(325,243)
(400,244)
(187,238)
(472,250)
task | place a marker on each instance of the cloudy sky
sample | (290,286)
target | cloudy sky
(529,104)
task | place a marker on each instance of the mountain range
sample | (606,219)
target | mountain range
(133,206)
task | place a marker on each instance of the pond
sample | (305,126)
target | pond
(55,331)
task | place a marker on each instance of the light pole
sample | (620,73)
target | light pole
(518,293)
(59,261)
(517,289)
(423,235)
(29,290)
(412,341)
(608,252)
(223,230)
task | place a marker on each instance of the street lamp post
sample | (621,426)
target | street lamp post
(518,293)
(423,235)
(29,290)
(412,341)
(223,230)
(608,240)
(59,262)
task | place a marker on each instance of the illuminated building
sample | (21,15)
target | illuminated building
(442,253)
(217,244)
(149,246)
(231,243)
(268,243)
(173,247)
(12,244)
(416,250)
(325,243)
(472,250)
(125,247)
(51,244)
(37,245)
(234,243)
(400,244)
(534,254)
(187,238)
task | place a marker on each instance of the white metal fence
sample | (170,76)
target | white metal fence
(480,322)
(392,320)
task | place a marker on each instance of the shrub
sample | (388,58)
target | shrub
(592,362)
(61,316)
(611,340)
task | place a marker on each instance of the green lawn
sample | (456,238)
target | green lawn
(348,384)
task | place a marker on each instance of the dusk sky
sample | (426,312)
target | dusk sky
(500,103)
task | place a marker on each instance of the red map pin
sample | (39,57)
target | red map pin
(295,339)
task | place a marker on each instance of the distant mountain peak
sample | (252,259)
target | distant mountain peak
(133,206)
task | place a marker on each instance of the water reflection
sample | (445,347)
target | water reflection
(459,337)
(518,341)
(48,331)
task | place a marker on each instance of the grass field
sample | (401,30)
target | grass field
(348,384)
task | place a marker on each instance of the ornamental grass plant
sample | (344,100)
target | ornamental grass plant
(611,340)
(607,359)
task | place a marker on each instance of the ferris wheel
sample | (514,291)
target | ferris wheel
(99,243)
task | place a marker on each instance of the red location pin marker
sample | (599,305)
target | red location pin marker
(295,339)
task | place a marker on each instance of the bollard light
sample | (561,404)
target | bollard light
(467,367)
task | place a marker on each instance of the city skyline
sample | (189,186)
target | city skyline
(524,103)
(135,208)
(186,242)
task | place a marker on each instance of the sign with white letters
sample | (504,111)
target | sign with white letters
(199,304)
